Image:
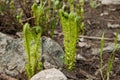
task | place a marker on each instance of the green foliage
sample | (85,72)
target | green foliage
(31,37)
(55,2)
(111,59)
(12,6)
(80,12)
(40,16)
(19,17)
(46,16)
(8,12)
(3,6)
(72,24)
(38,10)
(71,2)
(94,4)
(70,29)
(101,53)
(56,6)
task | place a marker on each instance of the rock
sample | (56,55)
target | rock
(52,52)
(114,33)
(80,57)
(109,48)
(105,13)
(84,44)
(107,2)
(12,61)
(13,56)
(95,51)
(81,39)
(49,74)
(113,26)
(48,65)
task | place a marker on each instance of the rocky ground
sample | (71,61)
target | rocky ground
(103,18)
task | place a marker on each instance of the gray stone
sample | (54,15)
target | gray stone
(13,56)
(52,51)
(107,2)
(113,26)
(49,74)
(80,57)
(12,60)
(48,65)
(108,49)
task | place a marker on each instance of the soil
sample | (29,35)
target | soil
(95,25)
(96,22)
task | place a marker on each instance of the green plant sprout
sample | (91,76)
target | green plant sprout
(31,38)
(72,24)
(12,8)
(46,16)
(12,5)
(71,2)
(94,4)
(38,10)
(19,17)
(111,59)
(80,11)
(101,53)
(81,14)
(3,7)
(43,16)
(70,29)
(53,22)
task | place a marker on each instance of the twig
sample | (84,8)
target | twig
(111,20)
(98,38)
(34,17)
(89,76)
(27,19)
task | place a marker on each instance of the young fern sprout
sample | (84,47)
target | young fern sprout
(19,17)
(72,24)
(70,29)
(31,38)
(71,5)
(55,5)
(37,13)
(80,12)
(26,34)
(43,14)
(12,7)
